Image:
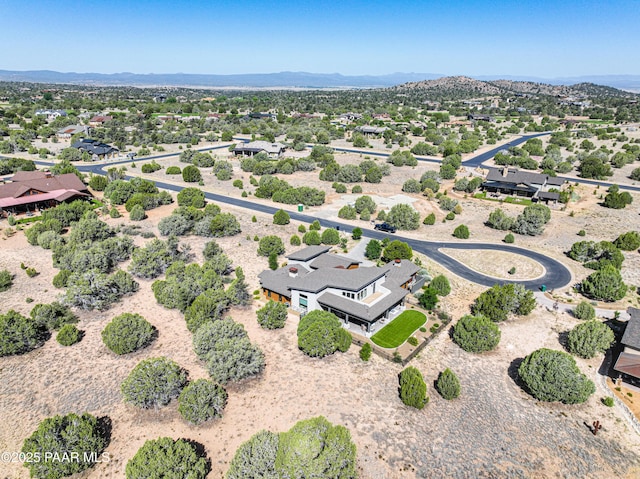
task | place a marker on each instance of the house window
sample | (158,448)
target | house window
(302,302)
(348,294)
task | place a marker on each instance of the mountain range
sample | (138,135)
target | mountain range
(287,79)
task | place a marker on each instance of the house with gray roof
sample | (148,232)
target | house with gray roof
(629,360)
(362,297)
(67,132)
(51,114)
(371,130)
(273,150)
(96,149)
(512,181)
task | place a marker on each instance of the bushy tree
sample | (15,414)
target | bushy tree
(365,352)
(584,311)
(191,174)
(191,197)
(167,458)
(6,280)
(270,244)
(373,250)
(319,333)
(127,333)
(550,375)
(596,255)
(98,182)
(273,315)
(202,400)
(428,299)
(397,249)
(476,334)
(311,238)
(356,234)
(430,219)
(225,348)
(68,335)
(330,236)
(532,220)
(281,217)
(448,384)
(441,284)
(53,316)
(501,300)
(365,203)
(499,220)
(137,213)
(174,225)
(311,448)
(206,307)
(604,285)
(154,383)
(461,232)
(413,389)
(154,259)
(412,186)
(19,334)
(628,241)
(224,224)
(589,338)
(347,212)
(58,436)
(403,217)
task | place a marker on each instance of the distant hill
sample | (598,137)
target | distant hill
(466,87)
(300,80)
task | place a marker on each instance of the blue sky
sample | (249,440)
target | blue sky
(546,39)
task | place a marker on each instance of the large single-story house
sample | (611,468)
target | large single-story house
(31,190)
(512,181)
(362,297)
(96,149)
(274,150)
(371,130)
(51,114)
(68,131)
(479,117)
(99,120)
(629,360)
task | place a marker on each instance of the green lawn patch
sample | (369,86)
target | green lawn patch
(398,331)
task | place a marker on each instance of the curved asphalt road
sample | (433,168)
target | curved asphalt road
(556,274)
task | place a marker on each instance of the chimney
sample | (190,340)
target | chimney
(293,272)
(398,263)
(505,171)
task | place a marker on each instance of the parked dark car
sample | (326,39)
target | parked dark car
(385,227)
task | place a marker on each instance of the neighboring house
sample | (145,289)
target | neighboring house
(274,150)
(68,131)
(362,297)
(51,114)
(99,120)
(512,181)
(97,150)
(629,360)
(371,130)
(30,190)
(261,116)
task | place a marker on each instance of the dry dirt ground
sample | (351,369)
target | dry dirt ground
(493,430)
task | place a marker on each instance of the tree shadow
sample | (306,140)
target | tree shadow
(513,372)
(105,426)
(563,339)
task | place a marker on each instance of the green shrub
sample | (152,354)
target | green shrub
(476,334)
(53,316)
(550,375)
(191,174)
(441,284)
(281,217)
(114,213)
(413,341)
(167,458)
(589,338)
(154,382)
(584,311)
(191,197)
(68,335)
(6,280)
(608,401)
(365,352)
(604,285)
(582,233)
(356,189)
(98,182)
(202,400)
(19,334)
(173,170)
(311,238)
(430,219)
(461,232)
(356,234)
(60,279)
(500,300)
(428,299)
(628,241)
(273,315)
(58,436)
(509,238)
(270,244)
(295,240)
(127,333)
(311,448)
(413,389)
(448,385)
(330,236)
(137,213)
(319,334)
(31,272)
(450,216)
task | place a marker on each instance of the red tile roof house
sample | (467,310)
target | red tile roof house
(31,190)
(99,120)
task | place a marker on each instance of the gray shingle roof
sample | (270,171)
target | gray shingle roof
(346,279)
(631,336)
(308,253)
(360,310)
(332,261)
(515,176)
